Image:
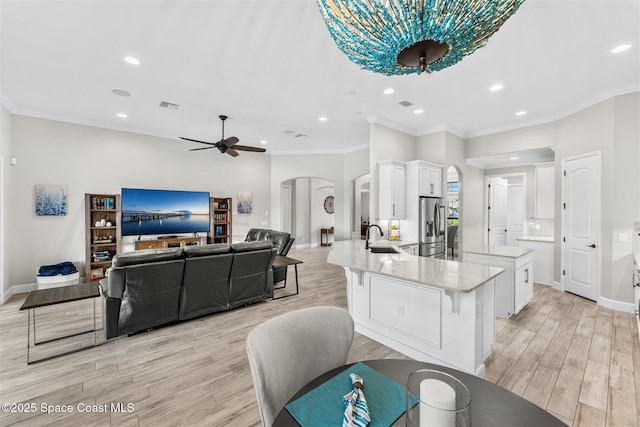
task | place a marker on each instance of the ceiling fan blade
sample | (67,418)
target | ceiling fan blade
(247,148)
(232,152)
(231,141)
(195,140)
(203,148)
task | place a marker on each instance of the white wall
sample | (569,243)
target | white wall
(470,226)
(89,159)
(338,169)
(612,128)
(5,199)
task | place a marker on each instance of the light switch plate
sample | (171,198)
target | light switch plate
(622,237)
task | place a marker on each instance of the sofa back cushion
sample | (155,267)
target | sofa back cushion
(150,294)
(280,239)
(205,287)
(147,256)
(206,250)
(251,246)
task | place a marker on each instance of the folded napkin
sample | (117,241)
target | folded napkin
(357,412)
(324,406)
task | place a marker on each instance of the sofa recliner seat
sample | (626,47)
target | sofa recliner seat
(151,288)
(280,239)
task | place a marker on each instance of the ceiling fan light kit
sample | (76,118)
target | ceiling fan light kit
(228,145)
(395,37)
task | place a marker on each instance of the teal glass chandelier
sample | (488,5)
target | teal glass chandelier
(395,37)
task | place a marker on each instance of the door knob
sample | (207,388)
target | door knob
(593,245)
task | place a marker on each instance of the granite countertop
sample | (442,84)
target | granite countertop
(503,251)
(438,273)
(536,239)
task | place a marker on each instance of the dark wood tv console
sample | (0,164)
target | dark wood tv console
(168,242)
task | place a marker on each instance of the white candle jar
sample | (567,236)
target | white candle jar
(437,399)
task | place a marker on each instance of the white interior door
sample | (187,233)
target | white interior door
(581,225)
(497,211)
(515,213)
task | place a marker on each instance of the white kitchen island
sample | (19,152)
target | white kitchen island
(514,288)
(429,309)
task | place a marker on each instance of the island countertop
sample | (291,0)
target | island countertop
(502,251)
(448,275)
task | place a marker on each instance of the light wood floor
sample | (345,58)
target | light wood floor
(579,361)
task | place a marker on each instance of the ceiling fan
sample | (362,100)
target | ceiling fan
(225,145)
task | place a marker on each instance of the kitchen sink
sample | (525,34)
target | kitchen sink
(382,250)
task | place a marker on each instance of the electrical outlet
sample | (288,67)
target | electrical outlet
(537,226)
(264,222)
(401,310)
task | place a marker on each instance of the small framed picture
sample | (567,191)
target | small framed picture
(96,274)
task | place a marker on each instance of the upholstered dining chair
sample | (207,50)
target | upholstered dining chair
(288,351)
(451,238)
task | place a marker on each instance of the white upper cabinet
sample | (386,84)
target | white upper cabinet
(429,178)
(545,190)
(391,190)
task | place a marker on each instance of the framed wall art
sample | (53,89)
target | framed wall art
(245,203)
(51,200)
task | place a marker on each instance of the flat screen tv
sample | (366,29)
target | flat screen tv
(165,212)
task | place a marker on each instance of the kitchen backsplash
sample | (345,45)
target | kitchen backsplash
(540,227)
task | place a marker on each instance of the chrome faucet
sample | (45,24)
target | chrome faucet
(366,234)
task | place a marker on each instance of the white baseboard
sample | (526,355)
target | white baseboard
(18,289)
(306,245)
(627,307)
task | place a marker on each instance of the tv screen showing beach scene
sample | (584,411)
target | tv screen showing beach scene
(164,212)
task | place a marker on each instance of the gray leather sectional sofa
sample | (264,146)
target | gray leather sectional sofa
(146,289)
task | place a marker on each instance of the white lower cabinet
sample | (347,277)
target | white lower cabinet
(542,259)
(523,288)
(514,287)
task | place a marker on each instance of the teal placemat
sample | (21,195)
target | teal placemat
(323,406)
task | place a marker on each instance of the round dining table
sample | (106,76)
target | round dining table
(491,405)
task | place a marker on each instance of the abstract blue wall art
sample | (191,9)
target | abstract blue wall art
(51,200)
(245,203)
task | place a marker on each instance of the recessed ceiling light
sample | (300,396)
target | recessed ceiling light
(621,48)
(521,113)
(418,111)
(496,87)
(323,119)
(388,91)
(122,115)
(263,142)
(120,92)
(131,60)
(514,158)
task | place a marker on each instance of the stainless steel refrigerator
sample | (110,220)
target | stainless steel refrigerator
(432,227)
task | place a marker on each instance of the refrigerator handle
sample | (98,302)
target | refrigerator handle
(436,217)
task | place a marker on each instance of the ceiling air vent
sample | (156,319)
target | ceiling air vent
(405,103)
(170,106)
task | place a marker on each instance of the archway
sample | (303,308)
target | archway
(454,212)
(360,197)
(307,205)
